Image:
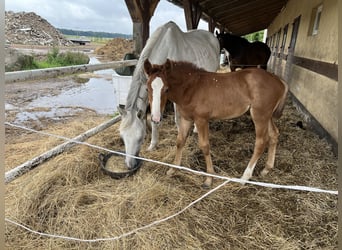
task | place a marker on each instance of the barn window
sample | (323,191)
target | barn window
(315,19)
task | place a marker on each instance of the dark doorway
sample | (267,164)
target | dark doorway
(291,49)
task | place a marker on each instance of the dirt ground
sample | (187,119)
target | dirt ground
(20,94)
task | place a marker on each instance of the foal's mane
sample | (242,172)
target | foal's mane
(184,66)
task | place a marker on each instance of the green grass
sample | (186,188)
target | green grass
(56,59)
(53,59)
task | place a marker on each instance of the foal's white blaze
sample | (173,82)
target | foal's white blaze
(157,86)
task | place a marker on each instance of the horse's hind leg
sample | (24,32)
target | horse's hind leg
(183,131)
(273,133)
(203,143)
(261,140)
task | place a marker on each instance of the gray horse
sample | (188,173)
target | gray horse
(168,41)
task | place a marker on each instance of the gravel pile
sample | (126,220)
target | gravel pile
(31,29)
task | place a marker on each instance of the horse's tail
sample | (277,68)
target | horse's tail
(281,104)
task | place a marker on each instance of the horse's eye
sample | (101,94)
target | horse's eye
(140,114)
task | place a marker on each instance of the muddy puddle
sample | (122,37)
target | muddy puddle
(60,98)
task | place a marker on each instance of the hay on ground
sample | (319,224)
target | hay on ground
(70,196)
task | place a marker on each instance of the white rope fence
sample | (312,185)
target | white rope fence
(227,179)
(238,180)
(125,234)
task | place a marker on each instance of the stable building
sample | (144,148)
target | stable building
(302,36)
(303,39)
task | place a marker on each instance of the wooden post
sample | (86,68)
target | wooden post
(211,25)
(141,12)
(138,38)
(193,13)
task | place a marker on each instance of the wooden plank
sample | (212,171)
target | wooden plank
(53,72)
(323,68)
(31,164)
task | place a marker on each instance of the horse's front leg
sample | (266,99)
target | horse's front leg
(154,136)
(183,131)
(177,118)
(203,143)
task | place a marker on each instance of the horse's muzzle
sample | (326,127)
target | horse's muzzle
(132,163)
(117,175)
(156,120)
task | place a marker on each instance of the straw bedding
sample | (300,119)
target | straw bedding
(69,195)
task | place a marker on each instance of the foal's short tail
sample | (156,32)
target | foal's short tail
(281,104)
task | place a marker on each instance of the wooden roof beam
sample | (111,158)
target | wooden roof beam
(141,12)
(193,13)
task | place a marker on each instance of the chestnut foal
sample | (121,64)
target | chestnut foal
(202,96)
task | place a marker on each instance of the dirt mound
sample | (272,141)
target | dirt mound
(31,29)
(116,49)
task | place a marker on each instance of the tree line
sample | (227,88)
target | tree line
(256,36)
(94,34)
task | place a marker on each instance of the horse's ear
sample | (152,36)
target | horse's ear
(167,65)
(147,66)
(122,111)
(216,33)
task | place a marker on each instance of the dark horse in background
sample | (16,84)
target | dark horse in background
(242,53)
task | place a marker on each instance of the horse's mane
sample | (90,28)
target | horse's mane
(235,38)
(139,77)
(184,66)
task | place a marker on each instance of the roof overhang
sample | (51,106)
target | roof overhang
(240,17)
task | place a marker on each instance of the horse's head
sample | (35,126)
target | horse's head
(220,37)
(132,132)
(157,88)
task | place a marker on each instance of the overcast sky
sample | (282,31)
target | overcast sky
(97,15)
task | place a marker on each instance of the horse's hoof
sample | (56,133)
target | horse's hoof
(246,175)
(205,186)
(207,183)
(243,181)
(151,147)
(170,172)
(264,172)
